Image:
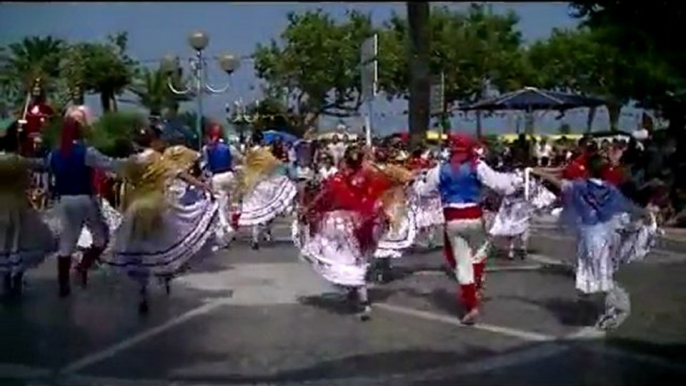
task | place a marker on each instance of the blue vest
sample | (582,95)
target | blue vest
(459,185)
(219,158)
(72,176)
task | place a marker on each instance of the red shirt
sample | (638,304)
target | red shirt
(576,169)
(613,175)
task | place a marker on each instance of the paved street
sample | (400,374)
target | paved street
(264,317)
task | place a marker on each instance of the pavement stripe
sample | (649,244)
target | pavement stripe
(547,260)
(521,334)
(113,350)
(22,371)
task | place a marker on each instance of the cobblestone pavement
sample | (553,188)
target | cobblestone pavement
(246,317)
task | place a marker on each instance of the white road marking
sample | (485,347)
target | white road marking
(521,334)
(547,260)
(22,371)
(113,350)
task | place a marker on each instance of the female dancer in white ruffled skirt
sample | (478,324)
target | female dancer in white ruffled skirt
(514,215)
(266,191)
(610,230)
(339,231)
(25,240)
(158,236)
(428,210)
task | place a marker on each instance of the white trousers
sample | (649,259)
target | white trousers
(222,184)
(75,212)
(467,239)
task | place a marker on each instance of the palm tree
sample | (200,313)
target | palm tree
(108,69)
(34,57)
(420,75)
(152,89)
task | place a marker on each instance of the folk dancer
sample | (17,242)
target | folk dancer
(266,190)
(402,228)
(72,167)
(513,218)
(218,159)
(460,182)
(338,232)
(25,240)
(159,236)
(610,230)
(427,208)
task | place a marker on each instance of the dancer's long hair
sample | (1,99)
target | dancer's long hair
(258,164)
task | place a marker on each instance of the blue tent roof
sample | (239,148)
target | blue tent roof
(531,98)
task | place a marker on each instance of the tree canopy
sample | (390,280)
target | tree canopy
(314,64)
(647,38)
(312,69)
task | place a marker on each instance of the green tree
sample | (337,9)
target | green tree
(152,89)
(108,70)
(315,65)
(646,38)
(471,48)
(34,57)
(579,61)
(272,113)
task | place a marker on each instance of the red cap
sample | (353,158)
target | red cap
(462,148)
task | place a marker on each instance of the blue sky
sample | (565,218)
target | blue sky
(156,29)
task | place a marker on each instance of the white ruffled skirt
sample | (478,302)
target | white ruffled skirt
(25,239)
(512,219)
(333,251)
(603,248)
(398,238)
(268,199)
(187,233)
(428,210)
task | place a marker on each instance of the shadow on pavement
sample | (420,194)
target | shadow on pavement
(579,363)
(336,302)
(578,312)
(48,331)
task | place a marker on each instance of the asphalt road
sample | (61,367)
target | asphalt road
(244,317)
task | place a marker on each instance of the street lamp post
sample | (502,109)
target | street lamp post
(240,118)
(199,84)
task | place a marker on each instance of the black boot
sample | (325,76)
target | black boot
(7,283)
(17,285)
(90,256)
(384,271)
(143,306)
(63,267)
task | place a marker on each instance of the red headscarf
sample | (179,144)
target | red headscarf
(462,149)
(215,133)
(71,131)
